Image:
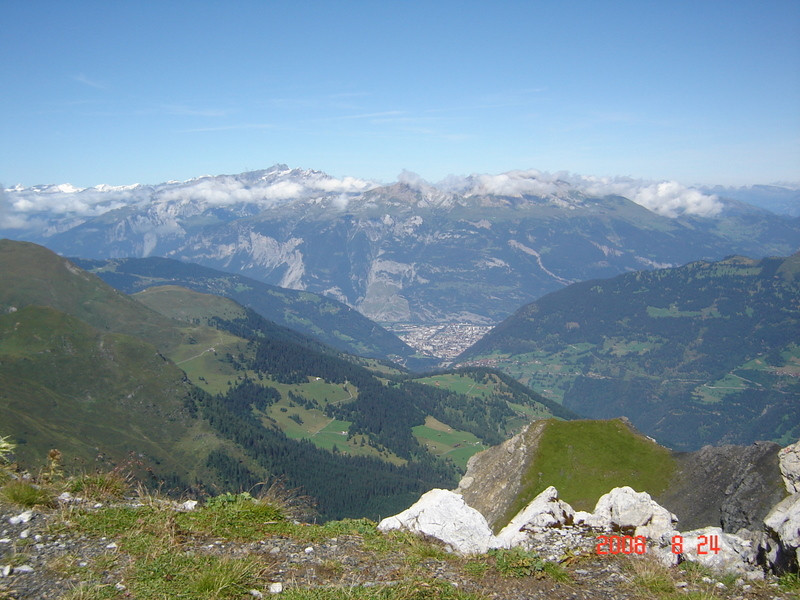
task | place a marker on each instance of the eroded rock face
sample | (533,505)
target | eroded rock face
(789,459)
(444,515)
(733,487)
(494,477)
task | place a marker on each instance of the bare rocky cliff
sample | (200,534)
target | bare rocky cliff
(728,486)
(494,477)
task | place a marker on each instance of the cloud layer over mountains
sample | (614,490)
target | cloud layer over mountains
(23,208)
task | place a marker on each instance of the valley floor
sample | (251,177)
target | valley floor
(445,341)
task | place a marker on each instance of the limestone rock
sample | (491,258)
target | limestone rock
(546,510)
(789,459)
(444,515)
(783,522)
(734,554)
(626,510)
(494,477)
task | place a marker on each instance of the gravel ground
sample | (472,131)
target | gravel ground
(41,562)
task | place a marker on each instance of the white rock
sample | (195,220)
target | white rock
(624,509)
(275,588)
(255,593)
(444,515)
(783,521)
(188,506)
(546,510)
(789,458)
(664,554)
(23,569)
(21,518)
(5,571)
(735,554)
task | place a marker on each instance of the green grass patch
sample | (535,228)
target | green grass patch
(99,486)
(442,440)
(586,459)
(461,384)
(202,357)
(716,391)
(24,493)
(235,517)
(671,311)
(415,589)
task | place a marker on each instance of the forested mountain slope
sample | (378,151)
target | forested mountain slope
(702,354)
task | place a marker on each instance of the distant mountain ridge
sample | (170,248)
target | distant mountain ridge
(324,318)
(409,251)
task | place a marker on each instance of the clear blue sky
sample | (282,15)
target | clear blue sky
(123,92)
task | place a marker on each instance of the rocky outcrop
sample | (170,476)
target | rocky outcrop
(783,524)
(720,551)
(728,486)
(494,477)
(633,513)
(550,526)
(732,487)
(546,510)
(789,459)
(444,515)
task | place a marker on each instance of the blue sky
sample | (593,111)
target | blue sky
(123,92)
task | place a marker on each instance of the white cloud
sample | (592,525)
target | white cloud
(20,206)
(24,208)
(225,191)
(516,184)
(667,198)
(412,180)
(341,201)
(345,185)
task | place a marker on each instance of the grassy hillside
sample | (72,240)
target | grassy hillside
(34,275)
(702,354)
(97,397)
(586,459)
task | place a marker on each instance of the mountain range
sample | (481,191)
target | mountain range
(409,251)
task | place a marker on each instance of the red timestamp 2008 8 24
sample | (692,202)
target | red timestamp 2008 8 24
(626,544)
